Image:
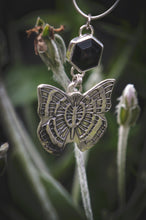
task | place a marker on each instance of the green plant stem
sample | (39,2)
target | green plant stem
(15,132)
(121,162)
(76,187)
(83,182)
(76,184)
(60,76)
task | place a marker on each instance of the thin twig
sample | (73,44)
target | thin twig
(83,182)
(121,161)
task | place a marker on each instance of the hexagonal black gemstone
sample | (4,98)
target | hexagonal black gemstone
(86,54)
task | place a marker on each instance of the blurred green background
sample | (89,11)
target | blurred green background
(34,179)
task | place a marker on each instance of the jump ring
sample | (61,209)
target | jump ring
(87,27)
(96,16)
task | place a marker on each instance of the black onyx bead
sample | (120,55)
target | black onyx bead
(85,52)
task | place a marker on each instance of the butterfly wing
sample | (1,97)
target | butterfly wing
(46,141)
(97,101)
(52,130)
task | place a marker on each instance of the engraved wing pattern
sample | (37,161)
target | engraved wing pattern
(72,117)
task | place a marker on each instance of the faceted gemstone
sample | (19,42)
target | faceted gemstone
(86,54)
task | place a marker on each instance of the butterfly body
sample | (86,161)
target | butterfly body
(72,117)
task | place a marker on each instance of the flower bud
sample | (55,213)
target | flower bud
(128,109)
(48,45)
(130,96)
(51,47)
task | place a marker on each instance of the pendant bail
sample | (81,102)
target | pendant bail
(88,20)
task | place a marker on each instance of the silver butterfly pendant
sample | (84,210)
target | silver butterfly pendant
(72,117)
